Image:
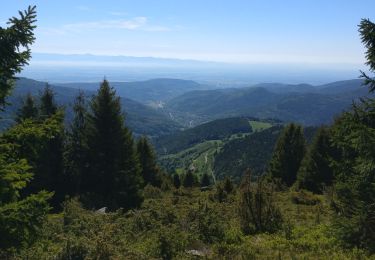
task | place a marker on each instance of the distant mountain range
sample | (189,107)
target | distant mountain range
(142,119)
(154,91)
(305,104)
(90,68)
(163,106)
(190,103)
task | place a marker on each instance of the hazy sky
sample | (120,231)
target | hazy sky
(243,31)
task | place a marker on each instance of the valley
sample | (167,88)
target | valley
(221,132)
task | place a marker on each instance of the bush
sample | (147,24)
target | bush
(21,221)
(304,197)
(151,192)
(257,210)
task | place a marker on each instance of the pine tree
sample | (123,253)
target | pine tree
(113,178)
(21,217)
(52,157)
(28,110)
(15,50)
(76,149)
(48,161)
(367,30)
(315,171)
(41,144)
(150,170)
(205,180)
(176,181)
(228,185)
(287,155)
(23,207)
(189,179)
(48,106)
(353,135)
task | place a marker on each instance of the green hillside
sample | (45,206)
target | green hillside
(214,130)
(199,158)
(201,152)
(230,156)
(252,152)
(308,106)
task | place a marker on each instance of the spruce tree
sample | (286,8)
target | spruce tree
(287,155)
(367,31)
(51,162)
(228,185)
(176,181)
(150,170)
(48,106)
(353,135)
(28,110)
(189,179)
(76,149)
(113,178)
(15,50)
(205,180)
(21,217)
(315,171)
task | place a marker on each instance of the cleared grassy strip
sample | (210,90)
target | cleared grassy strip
(200,156)
(259,126)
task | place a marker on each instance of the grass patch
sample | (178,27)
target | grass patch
(259,126)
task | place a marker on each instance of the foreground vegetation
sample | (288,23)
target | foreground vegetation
(185,223)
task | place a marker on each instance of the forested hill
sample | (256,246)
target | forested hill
(251,152)
(214,130)
(302,103)
(141,119)
(147,92)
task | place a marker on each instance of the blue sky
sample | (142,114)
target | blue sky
(320,32)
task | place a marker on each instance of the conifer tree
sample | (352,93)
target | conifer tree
(367,31)
(287,155)
(15,50)
(205,180)
(113,178)
(48,106)
(176,181)
(51,161)
(228,185)
(28,110)
(315,171)
(189,179)
(47,155)
(353,134)
(147,158)
(20,217)
(76,149)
